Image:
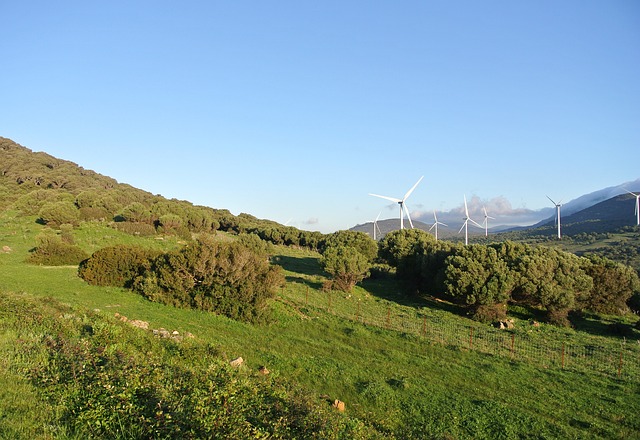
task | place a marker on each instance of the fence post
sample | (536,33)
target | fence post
(513,345)
(620,364)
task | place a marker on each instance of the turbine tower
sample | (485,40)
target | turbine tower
(486,221)
(401,202)
(558,205)
(637,213)
(467,219)
(375,227)
(435,224)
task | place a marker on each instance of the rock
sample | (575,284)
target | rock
(121,317)
(263,370)
(189,335)
(140,324)
(6,249)
(339,405)
(535,323)
(161,332)
(175,333)
(237,362)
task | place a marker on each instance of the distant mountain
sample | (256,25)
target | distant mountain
(602,195)
(389,225)
(608,215)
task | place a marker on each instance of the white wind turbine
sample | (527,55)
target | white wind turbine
(401,202)
(376,227)
(637,213)
(435,224)
(467,219)
(558,205)
(486,221)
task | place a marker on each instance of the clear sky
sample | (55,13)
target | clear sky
(296,110)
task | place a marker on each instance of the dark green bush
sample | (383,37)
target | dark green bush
(116,266)
(225,278)
(59,213)
(53,251)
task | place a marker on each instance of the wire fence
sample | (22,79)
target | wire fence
(621,361)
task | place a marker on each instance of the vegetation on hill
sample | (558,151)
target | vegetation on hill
(64,348)
(485,278)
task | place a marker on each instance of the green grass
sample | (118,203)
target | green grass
(404,385)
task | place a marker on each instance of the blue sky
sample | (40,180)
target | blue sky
(296,111)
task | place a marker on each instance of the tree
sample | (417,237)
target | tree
(553,280)
(477,277)
(613,285)
(116,266)
(136,212)
(359,241)
(346,265)
(59,213)
(226,278)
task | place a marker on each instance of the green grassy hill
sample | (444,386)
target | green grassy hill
(81,361)
(318,347)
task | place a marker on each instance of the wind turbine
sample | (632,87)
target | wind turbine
(637,213)
(435,224)
(486,221)
(467,219)
(375,226)
(401,202)
(558,205)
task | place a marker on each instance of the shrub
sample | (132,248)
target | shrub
(58,213)
(53,251)
(116,266)
(346,266)
(226,278)
(613,285)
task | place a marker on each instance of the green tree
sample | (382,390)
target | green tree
(226,278)
(359,241)
(116,266)
(346,265)
(478,278)
(554,280)
(136,212)
(59,213)
(52,250)
(613,285)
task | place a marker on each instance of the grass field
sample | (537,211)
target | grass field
(401,384)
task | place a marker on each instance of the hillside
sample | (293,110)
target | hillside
(90,361)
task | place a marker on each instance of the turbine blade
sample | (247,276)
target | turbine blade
(475,223)
(551,200)
(466,211)
(631,192)
(408,216)
(463,225)
(412,188)
(393,199)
